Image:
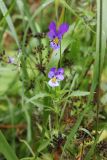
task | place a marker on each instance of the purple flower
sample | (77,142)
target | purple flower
(11,60)
(55,75)
(55,34)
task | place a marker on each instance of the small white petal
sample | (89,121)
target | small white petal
(53,84)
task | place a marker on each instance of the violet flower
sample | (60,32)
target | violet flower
(55,75)
(11,60)
(55,34)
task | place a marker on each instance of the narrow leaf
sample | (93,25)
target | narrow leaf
(5,149)
(4,11)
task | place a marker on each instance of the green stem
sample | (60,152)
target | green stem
(56,12)
(60,56)
(99,69)
(57,122)
(56,108)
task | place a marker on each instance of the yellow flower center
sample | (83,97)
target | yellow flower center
(53,79)
(56,40)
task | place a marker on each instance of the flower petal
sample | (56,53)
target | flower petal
(51,34)
(55,84)
(60,77)
(60,71)
(52,26)
(53,69)
(54,46)
(51,74)
(63,28)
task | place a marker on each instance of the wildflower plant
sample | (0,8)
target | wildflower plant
(36,107)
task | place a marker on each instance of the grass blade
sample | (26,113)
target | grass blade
(100,54)
(5,149)
(4,11)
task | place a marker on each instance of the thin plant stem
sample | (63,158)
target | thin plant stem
(99,70)
(82,152)
(60,55)
(28,146)
(56,11)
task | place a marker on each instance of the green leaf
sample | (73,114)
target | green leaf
(100,41)
(28,158)
(28,15)
(4,11)
(86,131)
(92,149)
(79,93)
(29,148)
(56,54)
(104,30)
(43,145)
(5,149)
(43,6)
(38,96)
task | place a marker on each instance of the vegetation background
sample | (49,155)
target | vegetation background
(38,122)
